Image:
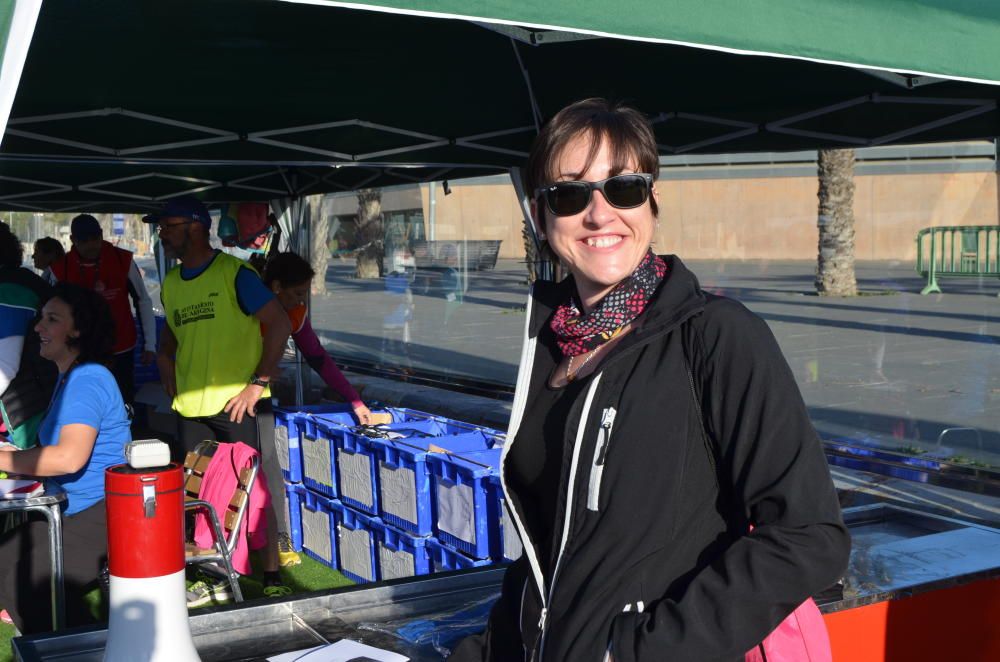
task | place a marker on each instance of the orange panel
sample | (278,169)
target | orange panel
(949,624)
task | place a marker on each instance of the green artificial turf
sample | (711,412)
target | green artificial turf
(6,634)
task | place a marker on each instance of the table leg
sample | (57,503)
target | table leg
(54,516)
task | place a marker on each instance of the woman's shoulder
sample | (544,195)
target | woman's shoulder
(725,320)
(90,372)
(297,317)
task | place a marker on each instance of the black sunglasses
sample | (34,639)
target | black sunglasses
(621,191)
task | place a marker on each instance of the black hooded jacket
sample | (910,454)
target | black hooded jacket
(691,429)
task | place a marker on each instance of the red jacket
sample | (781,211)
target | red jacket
(109,278)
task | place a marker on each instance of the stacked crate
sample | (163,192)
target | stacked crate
(411,497)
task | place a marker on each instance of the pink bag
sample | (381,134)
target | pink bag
(801,637)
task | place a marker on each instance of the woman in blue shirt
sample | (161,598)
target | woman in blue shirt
(84,432)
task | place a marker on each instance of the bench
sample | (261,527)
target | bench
(473,254)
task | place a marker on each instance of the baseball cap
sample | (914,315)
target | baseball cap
(186,206)
(84,227)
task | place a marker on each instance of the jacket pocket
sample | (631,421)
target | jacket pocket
(600,455)
(638,607)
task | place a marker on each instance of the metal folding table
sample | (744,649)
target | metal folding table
(49,504)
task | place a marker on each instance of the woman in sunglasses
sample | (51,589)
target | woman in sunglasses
(653,424)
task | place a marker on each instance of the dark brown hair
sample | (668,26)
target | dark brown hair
(628,133)
(289,269)
(11,251)
(50,246)
(91,318)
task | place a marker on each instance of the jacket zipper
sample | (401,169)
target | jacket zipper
(600,455)
(568,517)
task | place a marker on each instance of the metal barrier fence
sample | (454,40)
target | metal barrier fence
(957,250)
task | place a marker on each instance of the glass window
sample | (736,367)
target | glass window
(890,368)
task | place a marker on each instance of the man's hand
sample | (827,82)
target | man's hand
(147,357)
(363,414)
(244,402)
(167,376)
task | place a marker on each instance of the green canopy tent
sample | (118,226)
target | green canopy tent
(124,103)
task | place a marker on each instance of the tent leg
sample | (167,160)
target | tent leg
(544,269)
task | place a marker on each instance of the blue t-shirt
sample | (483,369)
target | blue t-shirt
(251,293)
(89,396)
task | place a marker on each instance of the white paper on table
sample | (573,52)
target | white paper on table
(344,650)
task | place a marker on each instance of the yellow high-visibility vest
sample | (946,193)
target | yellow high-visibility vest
(218,344)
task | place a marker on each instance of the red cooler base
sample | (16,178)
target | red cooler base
(955,624)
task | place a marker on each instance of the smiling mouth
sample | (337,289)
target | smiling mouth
(603,242)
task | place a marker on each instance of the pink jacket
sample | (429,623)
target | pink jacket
(217,488)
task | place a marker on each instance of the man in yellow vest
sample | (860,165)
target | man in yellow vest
(213,359)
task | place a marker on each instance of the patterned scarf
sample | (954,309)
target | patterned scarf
(578,333)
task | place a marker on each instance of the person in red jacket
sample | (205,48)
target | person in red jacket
(110,271)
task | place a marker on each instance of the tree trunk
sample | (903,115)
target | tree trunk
(319,253)
(370,234)
(835,263)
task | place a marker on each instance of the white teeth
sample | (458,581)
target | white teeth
(603,242)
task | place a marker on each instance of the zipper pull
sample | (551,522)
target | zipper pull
(536,650)
(604,437)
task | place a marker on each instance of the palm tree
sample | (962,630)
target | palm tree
(370,234)
(835,263)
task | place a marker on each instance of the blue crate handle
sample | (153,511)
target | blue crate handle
(392,454)
(450,474)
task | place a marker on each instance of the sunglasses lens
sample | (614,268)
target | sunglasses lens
(567,198)
(626,191)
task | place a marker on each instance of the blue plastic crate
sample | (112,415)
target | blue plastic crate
(288,424)
(319,434)
(461,499)
(505,543)
(319,523)
(293,501)
(286,444)
(405,495)
(399,553)
(357,545)
(357,463)
(444,558)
